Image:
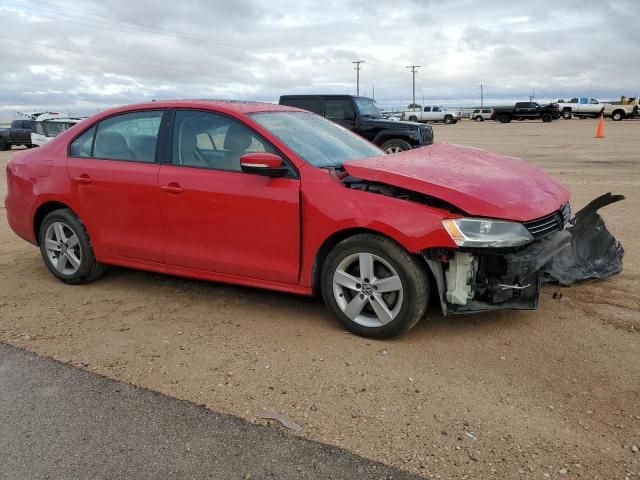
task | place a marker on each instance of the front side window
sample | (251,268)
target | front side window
(338,109)
(316,140)
(437,109)
(593,101)
(129,136)
(211,140)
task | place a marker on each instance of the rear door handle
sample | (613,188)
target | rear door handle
(171,188)
(84,178)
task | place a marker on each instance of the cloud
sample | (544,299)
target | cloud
(84,56)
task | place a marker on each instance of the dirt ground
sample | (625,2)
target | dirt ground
(553,393)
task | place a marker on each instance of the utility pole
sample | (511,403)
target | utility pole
(413,72)
(373,88)
(357,69)
(481,95)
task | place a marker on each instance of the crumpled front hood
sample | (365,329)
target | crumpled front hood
(476,181)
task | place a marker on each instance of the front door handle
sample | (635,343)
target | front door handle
(171,188)
(84,178)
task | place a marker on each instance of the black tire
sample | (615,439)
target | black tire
(414,279)
(448,119)
(546,117)
(413,118)
(566,114)
(617,115)
(3,146)
(392,146)
(89,268)
(479,119)
(504,118)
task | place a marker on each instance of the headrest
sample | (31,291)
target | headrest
(109,143)
(238,138)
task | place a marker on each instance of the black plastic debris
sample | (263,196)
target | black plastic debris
(594,252)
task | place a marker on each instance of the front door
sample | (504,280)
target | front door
(218,218)
(113,170)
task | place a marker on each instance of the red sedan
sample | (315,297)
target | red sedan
(275,197)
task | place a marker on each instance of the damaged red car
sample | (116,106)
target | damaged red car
(275,197)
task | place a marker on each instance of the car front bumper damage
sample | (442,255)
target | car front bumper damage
(476,280)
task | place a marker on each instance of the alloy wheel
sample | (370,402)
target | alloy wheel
(368,289)
(63,248)
(393,149)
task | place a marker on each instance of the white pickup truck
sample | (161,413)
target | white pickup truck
(625,108)
(432,113)
(581,107)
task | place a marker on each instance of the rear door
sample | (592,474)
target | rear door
(218,218)
(114,174)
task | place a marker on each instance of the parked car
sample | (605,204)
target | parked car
(271,196)
(18,134)
(581,107)
(432,113)
(47,127)
(525,111)
(625,108)
(362,116)
(481,114)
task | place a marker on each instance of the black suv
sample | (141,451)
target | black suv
(362,116)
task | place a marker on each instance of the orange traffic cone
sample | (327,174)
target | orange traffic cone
(600,132)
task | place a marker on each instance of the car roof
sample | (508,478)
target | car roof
(221,105)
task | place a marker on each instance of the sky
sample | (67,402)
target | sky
(82,56)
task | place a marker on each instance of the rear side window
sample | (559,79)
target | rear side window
(83,145)
(130,136)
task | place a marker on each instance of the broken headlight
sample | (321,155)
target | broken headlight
(485,232)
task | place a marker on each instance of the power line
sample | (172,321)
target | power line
(357,69)
(413,73)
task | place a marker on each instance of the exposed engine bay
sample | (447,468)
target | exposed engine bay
(477,280)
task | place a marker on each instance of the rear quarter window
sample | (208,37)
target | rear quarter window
(310,104)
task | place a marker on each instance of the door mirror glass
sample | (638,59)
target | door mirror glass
(262,163)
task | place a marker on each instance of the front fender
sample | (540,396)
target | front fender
(329,208)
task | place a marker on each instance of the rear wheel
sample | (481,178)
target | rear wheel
(395,145)
(617,115)
(479,119)
(374,287)
(66,248)
(3,146)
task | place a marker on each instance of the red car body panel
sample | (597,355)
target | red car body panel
(255,230)
(478,182)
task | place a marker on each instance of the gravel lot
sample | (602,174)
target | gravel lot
(553,393)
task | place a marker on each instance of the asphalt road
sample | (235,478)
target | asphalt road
(60,422)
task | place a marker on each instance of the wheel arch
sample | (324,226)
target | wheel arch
(336,237)
(45,209)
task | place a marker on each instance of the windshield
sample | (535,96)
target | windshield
(315,139)
(368,107)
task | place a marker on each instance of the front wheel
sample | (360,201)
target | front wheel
(479,119)
(413,118)
(395,145)
(448,119)
(374,287)
(547,117)
(504,118)
(3,146)
(566,114)
(66,248)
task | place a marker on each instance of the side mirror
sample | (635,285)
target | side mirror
(262,163)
